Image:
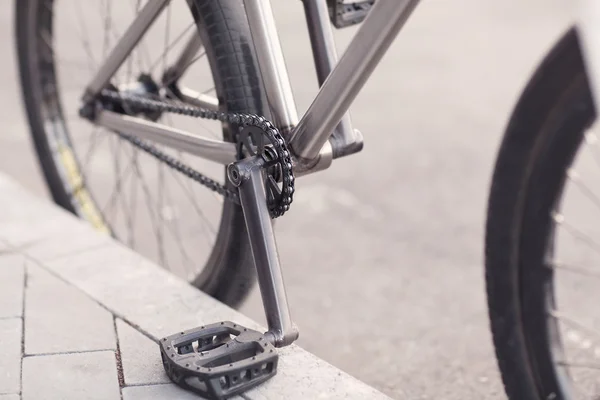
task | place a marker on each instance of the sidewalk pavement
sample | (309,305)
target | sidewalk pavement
(80,315)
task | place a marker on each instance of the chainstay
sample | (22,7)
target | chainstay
(181,167)
(239,119)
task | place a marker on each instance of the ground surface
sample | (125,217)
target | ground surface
(383,252)
(71,326)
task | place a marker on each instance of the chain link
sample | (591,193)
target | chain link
(141,103)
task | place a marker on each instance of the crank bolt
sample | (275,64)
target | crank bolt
(234,175)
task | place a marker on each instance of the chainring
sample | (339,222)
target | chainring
(257,136)
(279,183)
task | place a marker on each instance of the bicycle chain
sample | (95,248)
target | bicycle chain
(142,103)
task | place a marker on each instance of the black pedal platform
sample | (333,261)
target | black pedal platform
(218,361)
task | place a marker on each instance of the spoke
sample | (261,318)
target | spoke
(579,270)
(167,32)
(578,364)
(117,165)
(123,198)
(131,211)
(107,14)
(178,238)
(110,29)
(189,191)
(129,62)
(44,35)
(161,193)
(208,228)
(561,317)
(133,204)
(154,218)
(559,219)
(113,193)
(84,34)
(170,46)
(136,51)
(120,176)
(142,49)
(589,193)
(93,143)
(192,61)
(150,199)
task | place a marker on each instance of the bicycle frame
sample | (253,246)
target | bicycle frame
(309,137)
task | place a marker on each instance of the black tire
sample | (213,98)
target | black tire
(544,133)
(229,273)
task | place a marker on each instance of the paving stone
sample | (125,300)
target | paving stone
(160,392)
(19,210)
(89,376)
(10,397)
(301,375)
(12,276)
(60,318)
(161,303)
(39,226)
(140,357)
(17,203)
(80,238)
(10,359)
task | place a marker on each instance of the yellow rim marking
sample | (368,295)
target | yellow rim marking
(79,192)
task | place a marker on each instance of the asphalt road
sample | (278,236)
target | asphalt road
(383,252)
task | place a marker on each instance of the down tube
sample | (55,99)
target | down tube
(375,36)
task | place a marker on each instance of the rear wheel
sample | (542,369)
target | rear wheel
(542,237)
(103,179)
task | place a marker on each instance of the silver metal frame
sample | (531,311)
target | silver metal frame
(209,149)
(308,139)
(349,76)
(271,63)
(126,44)
(344,138)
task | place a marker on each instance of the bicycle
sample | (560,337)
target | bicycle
(264,146)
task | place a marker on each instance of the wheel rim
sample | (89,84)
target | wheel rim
(574,262)
(175,230)
(548,304)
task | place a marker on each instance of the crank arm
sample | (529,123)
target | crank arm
(247,175)
(224,359)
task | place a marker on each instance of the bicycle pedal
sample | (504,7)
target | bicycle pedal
(218,361)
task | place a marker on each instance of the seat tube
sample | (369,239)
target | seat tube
(271,63)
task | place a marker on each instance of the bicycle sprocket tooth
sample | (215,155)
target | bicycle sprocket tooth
(277,208)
